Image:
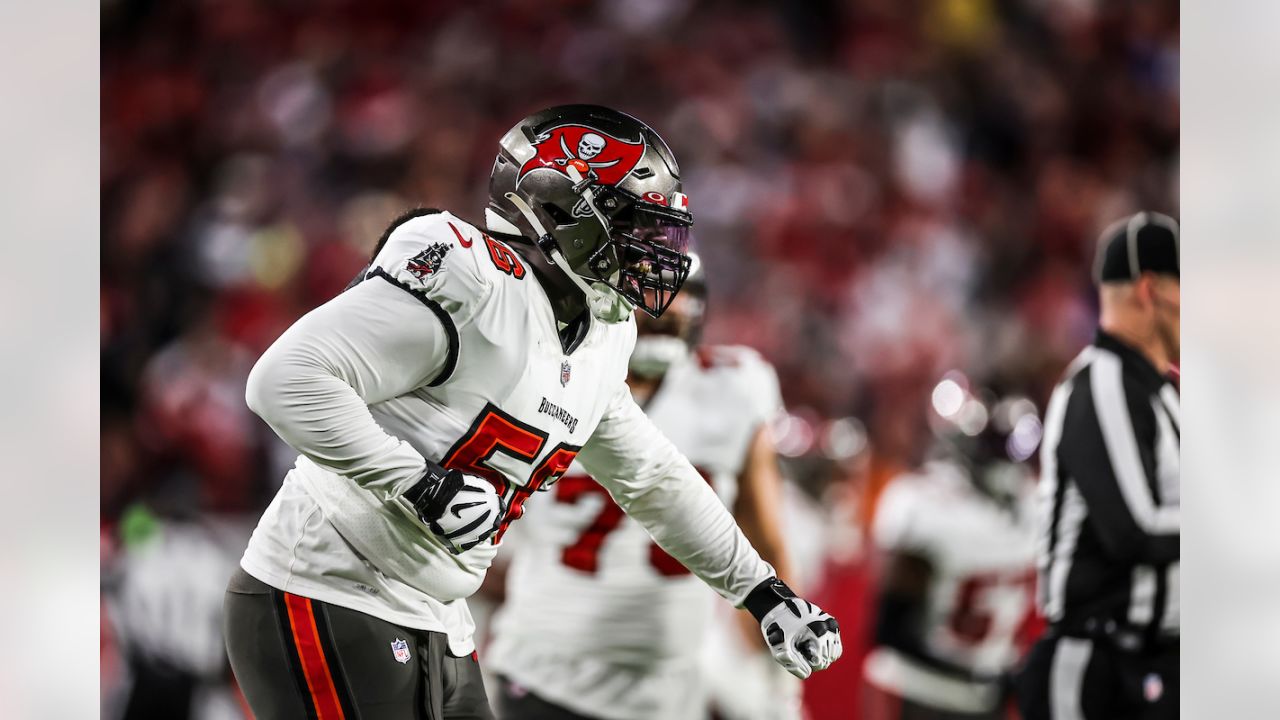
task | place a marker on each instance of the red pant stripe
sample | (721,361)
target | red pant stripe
(314,665)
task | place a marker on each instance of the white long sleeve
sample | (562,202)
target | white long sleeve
(649,478)
(313,386)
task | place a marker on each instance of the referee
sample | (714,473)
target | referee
(1109,522)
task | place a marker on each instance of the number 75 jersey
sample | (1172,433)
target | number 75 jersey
(509,404)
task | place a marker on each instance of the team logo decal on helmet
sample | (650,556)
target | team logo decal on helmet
(611,158)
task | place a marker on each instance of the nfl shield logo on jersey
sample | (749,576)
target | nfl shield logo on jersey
(400,649)
(564,373)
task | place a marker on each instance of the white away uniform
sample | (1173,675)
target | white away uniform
(981,588)
(449,350)
(597,618)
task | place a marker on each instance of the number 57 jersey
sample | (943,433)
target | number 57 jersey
(597,618)
(981,553)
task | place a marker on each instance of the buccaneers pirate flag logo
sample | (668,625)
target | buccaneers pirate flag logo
(611,159)
(428,261)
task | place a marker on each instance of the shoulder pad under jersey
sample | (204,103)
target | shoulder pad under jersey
(447,260)
(748,378)
(900,516)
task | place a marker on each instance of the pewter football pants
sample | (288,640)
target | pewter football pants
(301,659)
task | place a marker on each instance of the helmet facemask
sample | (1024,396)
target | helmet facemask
(663,341)
(645,257)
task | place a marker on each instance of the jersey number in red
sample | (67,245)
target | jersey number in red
(497,432)
(504,258)
(584,553)
(971,619)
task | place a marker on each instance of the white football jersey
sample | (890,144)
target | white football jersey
(597,617)
(507,403)
(981,588)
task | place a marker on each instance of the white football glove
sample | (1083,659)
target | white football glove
(461,510)
(802,637)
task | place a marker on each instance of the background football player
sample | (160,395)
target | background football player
(958,550)
(463,371)
(599,622)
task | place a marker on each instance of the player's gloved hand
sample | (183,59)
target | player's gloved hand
(461,510)
(800,635)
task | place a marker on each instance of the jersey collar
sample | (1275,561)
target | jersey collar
(1131,359)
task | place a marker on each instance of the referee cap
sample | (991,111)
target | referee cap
(1144,242)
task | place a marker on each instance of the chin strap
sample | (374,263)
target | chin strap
(584,188)
(603,301)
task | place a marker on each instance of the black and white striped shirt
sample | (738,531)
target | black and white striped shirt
(1109,521)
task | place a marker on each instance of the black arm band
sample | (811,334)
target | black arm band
(766,596)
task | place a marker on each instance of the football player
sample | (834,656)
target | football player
(599,621)
(958,546)
(466,369)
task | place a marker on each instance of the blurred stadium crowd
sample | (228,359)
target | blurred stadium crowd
(884,190)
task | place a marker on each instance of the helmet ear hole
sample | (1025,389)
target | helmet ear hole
(557,214)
